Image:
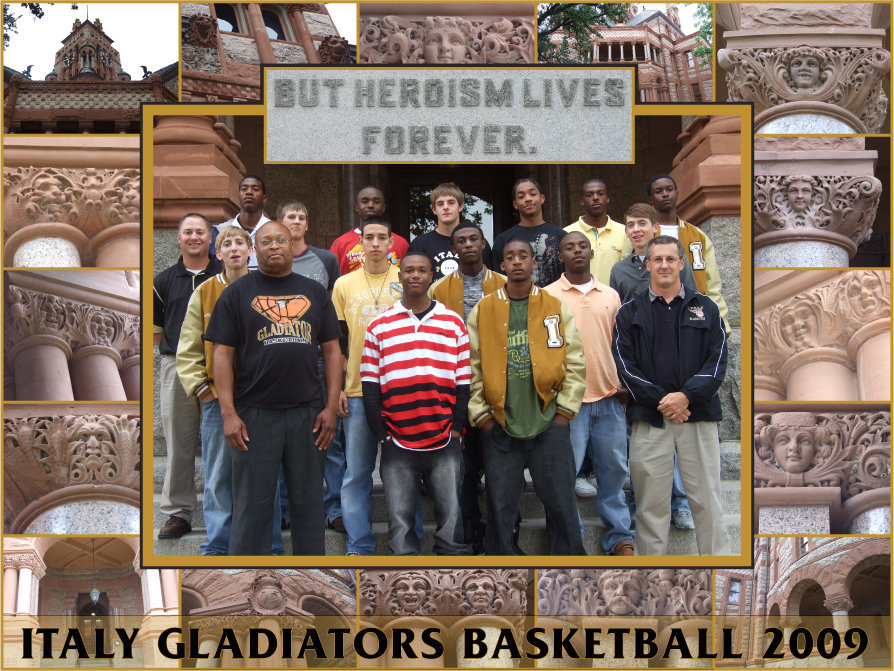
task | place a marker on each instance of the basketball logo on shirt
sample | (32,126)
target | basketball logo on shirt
(281,309)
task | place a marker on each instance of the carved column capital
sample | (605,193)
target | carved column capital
(838,603)
(846,77)
(803,449)
(28,559)
(794,208)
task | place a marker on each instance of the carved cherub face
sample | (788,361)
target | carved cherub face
(103,328)
(796,328)
(621,591)
(804,72)
(411,592)
(794,449)
(444,44)
(800,195)
(480,591)
(864,293)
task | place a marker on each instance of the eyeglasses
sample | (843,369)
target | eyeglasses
(266,242)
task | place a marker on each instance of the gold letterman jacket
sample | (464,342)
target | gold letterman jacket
(450,290)
(557,355)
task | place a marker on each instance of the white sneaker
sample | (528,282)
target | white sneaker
(584,489)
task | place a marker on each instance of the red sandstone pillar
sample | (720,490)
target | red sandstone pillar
(130,377)
(870,348)
(118,246)
(10,588)
(40,363)
(259,32)
(94,374)
(300,25)
(820,374)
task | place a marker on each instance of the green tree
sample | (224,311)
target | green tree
(573,26)
(10,20)
(423,220)
(704,20)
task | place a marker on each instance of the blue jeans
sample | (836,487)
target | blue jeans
(442,471)
(600,431)
(218,500)
(356,488)
(679,501)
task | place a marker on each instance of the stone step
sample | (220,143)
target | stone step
(532,539)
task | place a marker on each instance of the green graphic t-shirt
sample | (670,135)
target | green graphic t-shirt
(524,415)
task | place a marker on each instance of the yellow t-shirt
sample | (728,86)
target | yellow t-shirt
(359,297)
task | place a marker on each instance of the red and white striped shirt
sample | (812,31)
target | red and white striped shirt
(418,365)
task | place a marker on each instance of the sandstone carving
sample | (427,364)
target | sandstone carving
(201,31)
(80,324)
(843,205)
(307,7)
(20,560)
(824,317)
(44,454)
(394,39)
(334,51)
(847,77)
(200,59)
(90,199)
(266,594)
(803,449)
(443,592)
(623,592)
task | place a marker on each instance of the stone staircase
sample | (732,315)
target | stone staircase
(532,538)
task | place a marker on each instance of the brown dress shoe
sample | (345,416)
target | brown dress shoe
(623,549)
(175,527)
(338,524)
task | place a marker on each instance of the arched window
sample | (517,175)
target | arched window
(273,25)
(227,19)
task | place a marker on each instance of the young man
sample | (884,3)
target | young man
(669,347)
(370,202)
(460,291)
(180,415)
(415,374)
(528,199)
(274,323)
(446,204)
(662,192)
(527,384)
(606,235)
(630,277)
(359,297)
(321,266)
(312,262)
(600,428)
(252,196)
(195,368)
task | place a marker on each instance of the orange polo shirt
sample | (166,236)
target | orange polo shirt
(594,313)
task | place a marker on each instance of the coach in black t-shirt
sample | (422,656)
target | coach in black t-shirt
(266,328)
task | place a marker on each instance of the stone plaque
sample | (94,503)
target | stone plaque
(449,115)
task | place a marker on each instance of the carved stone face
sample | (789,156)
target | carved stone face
(864,293)
(797,328)
(103,328)
(794,449)
(800,195)
(444,45)
(411,592)
(480,591)
(621,591)
(804,72)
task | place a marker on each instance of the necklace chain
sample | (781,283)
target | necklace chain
(381,288)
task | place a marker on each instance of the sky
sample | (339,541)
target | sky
(345,16)
(146,34)
(687,14)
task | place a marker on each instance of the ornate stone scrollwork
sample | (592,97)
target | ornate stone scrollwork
(43,454)
(201,31)
(394,39)
(28,559)
(838,603)
(444,592)
(334,51)
(624,592)
(865,297)
(803,449)
(90,199)
(35,313)
(266,595)
(848,77)
(843,205)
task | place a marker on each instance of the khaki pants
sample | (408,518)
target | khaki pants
(181,418)
(652,471)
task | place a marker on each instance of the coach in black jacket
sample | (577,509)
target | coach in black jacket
(669,346)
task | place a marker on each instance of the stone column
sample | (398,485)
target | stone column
(492,627)
(151,580)
(130,377)
(259,32)
(10,587)
(170,588)
(821,373)
(42,362)
(815,200)
(94,373)
(870,348)
(118,246)
(296,18)
(839,605)
(24,605)
(816,72)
